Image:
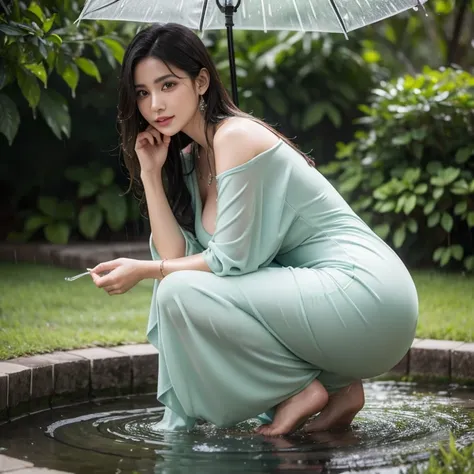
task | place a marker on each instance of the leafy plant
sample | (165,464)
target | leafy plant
(411,174)
(55,217)
(439,37)
(304,82)
(450,459)
(39,41)
(98,201)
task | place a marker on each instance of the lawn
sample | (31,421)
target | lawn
(41,312)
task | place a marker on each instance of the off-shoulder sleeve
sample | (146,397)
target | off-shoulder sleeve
(249,222)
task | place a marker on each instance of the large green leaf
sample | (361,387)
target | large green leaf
(36,9)
(33,223)
(54,109)
(29,87)
(115,207)
(447,222)
(87,188)
(107,176)
(117,49)
(11,30)
(48,205)
(71,77)
(9,118)
(382,230)
(58,232)
(313,115)
(39,71)
(334,115)
(88,67)
(399,236)
(90,220)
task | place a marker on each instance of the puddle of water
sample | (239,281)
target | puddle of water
(399,425)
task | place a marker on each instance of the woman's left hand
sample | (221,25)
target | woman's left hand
(124,274)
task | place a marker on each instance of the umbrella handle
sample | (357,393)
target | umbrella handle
(228,3)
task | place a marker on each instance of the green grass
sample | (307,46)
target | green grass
(446,305)
(41,312)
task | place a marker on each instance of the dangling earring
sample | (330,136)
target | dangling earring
(202,105)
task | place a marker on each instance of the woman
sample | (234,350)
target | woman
(271,295)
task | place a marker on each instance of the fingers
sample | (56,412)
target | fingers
(156,134)
(159,137)
(143,139)
(106,266)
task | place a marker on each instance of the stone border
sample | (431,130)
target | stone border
(30,384)
(75,256)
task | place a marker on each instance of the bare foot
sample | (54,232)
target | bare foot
(293,412)
(341,409)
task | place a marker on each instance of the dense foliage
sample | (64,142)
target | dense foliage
(58,88)
(39,40)
(305,84)
(410,171)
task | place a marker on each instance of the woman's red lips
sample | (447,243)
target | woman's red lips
(163,119)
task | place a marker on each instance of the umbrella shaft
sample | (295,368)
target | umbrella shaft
(233,73)
(229,9)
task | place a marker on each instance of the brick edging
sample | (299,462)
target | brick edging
(29,384)
(80,255)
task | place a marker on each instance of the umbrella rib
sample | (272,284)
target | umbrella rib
(264,16)
(339,17)
(103,6)
(203,14)
(312,9)
(298,15)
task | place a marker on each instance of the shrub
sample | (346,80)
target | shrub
(98,203)
(38,41)
(410,172)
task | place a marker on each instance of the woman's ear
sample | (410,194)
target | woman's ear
(202,81)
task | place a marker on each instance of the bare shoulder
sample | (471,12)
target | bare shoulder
(240,139)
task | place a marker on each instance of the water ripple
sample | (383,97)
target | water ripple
(398,425)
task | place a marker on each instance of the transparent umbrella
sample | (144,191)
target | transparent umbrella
(336,16)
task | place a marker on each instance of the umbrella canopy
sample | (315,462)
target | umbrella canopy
(331,16)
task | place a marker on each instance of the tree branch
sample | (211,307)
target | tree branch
(454,43)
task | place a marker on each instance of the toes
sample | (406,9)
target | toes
(266,430)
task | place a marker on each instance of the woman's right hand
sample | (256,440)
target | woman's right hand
(152,149)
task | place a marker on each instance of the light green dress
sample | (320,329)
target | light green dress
(300,289)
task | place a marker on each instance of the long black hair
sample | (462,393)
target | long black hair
(180,47)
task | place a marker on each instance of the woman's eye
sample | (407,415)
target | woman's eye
(168,85)
(141,93)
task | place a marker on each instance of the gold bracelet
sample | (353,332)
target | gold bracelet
(161,268)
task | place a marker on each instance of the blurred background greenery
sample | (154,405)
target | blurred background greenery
(387,115)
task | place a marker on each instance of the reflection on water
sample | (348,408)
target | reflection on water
(399,425)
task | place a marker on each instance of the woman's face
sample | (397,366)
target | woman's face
(167,102)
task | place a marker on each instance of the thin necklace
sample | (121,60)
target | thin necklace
(211,176)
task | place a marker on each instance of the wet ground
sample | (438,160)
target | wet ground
(399,426)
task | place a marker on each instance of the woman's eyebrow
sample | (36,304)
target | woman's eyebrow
(158,79)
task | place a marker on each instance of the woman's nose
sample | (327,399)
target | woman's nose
(157,103)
